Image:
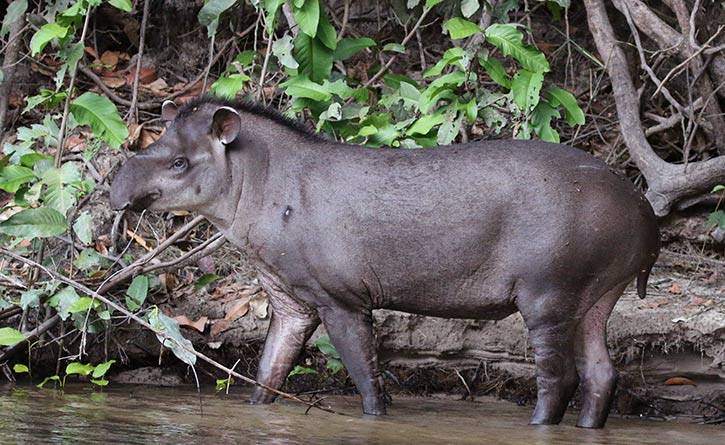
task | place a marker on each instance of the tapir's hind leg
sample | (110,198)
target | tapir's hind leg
(596,371)
(556,376)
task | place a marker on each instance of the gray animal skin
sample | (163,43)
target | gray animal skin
(477,231)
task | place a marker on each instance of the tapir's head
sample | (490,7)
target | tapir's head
(187,168)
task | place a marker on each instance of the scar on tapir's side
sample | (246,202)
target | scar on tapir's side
(478,231)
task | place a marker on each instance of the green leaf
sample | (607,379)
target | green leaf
(541,121)
(30,298)
(19,368)
(28,224)
(58,195)
(181,347)
(83,304)
(326,347)
(83,227)
(394,47)
(271,7)
(282,50)
(54,378)
(301,86)
(716,219)
(348,47)
(496,71)
(10,337)
(452,56)
(14,13)
(425,124)
(510,41)
(102,368)
(137,292)
(212,9)
(718,188)
(123,5)
(12,177)
(449,129)
(62,301)
(102,116)
(334,365)
(307,16)
(561,97)
(88,259)
(526,87)
(326,33)
(314,58)
(77,368)
(45,35)
(431,3)
(229,86)
(206,280)
(100,382)
(469,7)
(459,28)
(301,370)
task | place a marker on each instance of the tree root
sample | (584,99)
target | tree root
(668,183)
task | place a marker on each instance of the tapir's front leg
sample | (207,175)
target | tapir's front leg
(351,332)
(289,330)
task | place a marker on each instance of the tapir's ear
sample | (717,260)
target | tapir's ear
(226,124)
(169,110)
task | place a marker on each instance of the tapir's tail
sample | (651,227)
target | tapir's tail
(645,270)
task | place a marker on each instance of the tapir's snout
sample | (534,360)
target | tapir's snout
(129,188)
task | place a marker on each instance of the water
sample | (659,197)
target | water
(141,415)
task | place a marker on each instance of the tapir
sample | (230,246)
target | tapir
(475,231)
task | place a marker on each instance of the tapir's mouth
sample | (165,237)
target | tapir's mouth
(144,202)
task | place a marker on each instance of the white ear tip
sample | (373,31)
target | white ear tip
(229,109)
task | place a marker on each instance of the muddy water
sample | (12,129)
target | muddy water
(142,415)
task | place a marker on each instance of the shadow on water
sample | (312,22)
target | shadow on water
(141,415)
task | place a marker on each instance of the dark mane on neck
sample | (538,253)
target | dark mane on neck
(248,107)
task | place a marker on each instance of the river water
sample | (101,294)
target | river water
(141,415)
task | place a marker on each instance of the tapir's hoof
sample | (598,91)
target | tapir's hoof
(374,407)
(588,422)
(545,420)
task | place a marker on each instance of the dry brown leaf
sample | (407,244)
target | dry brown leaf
(146,75)
(219,326)
(74,141)
(113,81)
(679,381)
(259,303)
(140,241)
(185,321)
(675,289)
(238,309)
(91,51)
(158,87)
(148,137)
(110,59)
(134,132)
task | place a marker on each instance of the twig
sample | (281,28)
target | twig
(144,323)
(33,335)
(132,111)
(390,61)
(111,94)
(345,18)
(8,69)
(134,268)
(69,97)
(209,65)
(204,249)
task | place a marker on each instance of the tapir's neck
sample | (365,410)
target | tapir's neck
(248,169)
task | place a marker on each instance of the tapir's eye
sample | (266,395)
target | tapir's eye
(180,164)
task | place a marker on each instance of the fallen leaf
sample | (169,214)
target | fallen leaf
(206,264)
(91,51)
(109,59)
(141,242)
(73,141)
(679,381)
(148,137)
(113,81)
(259,304)
(675,289)
(238,309)
(219,326)
(199,324)
(158,87)
(146,75)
